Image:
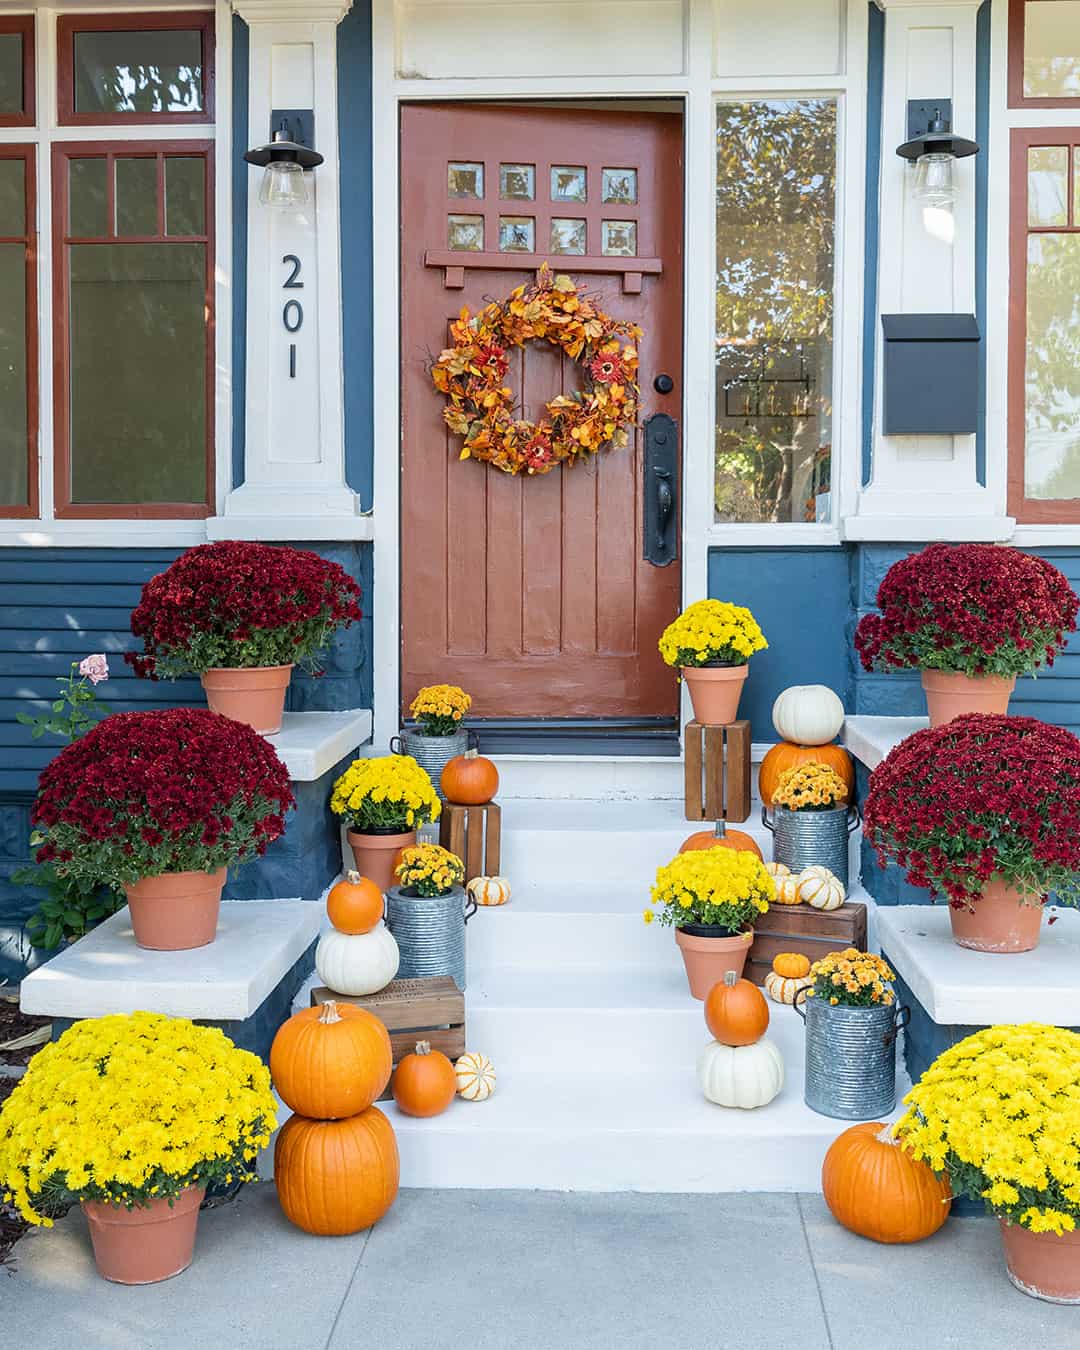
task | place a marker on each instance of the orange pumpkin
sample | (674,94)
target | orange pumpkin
(736,839)
(424,1083)
(331,1061)
(878,1190)
(336,1176)
(354,905)
(469,780)
(791,965)
(787,756)
(736,1012)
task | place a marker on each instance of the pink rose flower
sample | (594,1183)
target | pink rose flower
(95,668)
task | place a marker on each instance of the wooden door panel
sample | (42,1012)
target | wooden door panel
(532,592)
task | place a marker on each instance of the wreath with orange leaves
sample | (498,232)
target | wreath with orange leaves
(481,406)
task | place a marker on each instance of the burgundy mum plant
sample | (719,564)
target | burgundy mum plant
(184,790)
(982,796)
(973,609)
(241,604)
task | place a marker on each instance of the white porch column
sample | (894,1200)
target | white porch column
(926,486)
(294,466)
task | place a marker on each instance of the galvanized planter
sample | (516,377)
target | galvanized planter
(851,1058)
(430,932)
(812,838)
(432,753)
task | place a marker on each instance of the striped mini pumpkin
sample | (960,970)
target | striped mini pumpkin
(475,1075)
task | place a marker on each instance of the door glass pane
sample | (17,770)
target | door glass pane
(11,74)
(1048,180)
(139,72)
(1052,370)
(86,199)
(775,214)
(13,485)
(138,372)
(1052,49)
(136,196)
(12,197)
(185,196)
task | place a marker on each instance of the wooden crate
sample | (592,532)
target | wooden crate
(474,833)
(798,928)
(431,1010)
(717,761)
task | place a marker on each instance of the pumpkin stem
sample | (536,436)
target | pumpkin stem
(886,1136)
(471,753)
(352,876)
(329,1014)
(731,979)
(423,1047)
(721,829)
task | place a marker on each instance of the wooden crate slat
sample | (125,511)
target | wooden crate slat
(799,928)
(474,833)
(493,841)
(717,771)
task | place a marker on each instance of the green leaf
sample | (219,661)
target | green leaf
(24,718)
(37,732)
(59,705)
(73,917)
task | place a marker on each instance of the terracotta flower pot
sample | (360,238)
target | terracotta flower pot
(715,691)
(374,854)
(255,695)
(999,922)
(1043,1265)
(948,695)
(708,954)
(143,1246)
(176,911)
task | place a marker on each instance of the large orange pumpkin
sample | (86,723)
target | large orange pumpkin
(877,1189)
(424,1083)
(354,905)
(336,1176)
(736,1012)
(736,839)
(787,756)
(469,780)
(331,1061)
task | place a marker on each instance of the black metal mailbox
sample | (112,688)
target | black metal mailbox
(931,374)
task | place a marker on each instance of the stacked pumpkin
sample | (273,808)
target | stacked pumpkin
(336,1159)
(741,1067)
(807,718)
(815,886)
(359,955)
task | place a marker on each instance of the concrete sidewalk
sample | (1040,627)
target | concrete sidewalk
(532,1270)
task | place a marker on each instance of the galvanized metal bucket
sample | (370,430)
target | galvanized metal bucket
(432,753)
(812,838)
(851,1058)
(430,932)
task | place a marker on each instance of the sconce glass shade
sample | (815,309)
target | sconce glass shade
(284,185)
(934,184)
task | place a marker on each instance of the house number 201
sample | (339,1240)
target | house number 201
(292,312)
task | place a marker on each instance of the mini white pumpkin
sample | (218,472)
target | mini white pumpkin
(746,1076)
(475,1075)
(777,870)
(357,963)
(808,714)
(489,890)
(787,890)
(785,988)
(820,888)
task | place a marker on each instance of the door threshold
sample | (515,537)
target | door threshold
(652,738)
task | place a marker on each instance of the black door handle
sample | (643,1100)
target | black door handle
(663,384)
(665,504)
(659,488)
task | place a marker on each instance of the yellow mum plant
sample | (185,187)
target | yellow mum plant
(722,887)
(711,631)
(439,708)
(999,1114)
(388,793)
(852,979)
(129,1109)
(810,787)
(430,869)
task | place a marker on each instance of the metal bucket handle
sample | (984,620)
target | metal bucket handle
(766,821)
(397,749)
(900,1021)
(854,818)
(801,995)
(470,901)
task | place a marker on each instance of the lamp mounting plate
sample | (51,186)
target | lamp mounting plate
(300,124)
(920,113)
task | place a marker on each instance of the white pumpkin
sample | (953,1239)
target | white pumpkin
(746,1076)
(777,870)
(808,714)
(357,963)
(475,1076)
(787,890)
(785,988)
(820,888)
(489,890)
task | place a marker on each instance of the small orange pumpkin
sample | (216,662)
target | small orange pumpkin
(336,1176)
(469,780)
(424,1083)
(788,756)
(874,1187)
(354,905)
(736,839)
(736,1012)
(791,965)
(332,1061)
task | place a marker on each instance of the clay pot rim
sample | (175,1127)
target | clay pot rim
(383,832)
(244,670)
(730,941)
(721,670)
(156,1210)
(961,679)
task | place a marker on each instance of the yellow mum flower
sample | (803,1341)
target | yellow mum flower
(711,630)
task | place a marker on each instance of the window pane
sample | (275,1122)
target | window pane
(775,210)
(138,372)
(1052,49)
(136,196)
(13,485)
(1052,373)
(185,196)
(1048,180)
(12,197)
(11,74)
(139,72)
(86,199)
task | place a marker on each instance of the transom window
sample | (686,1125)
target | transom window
(1044,53)
(18,333)
(16,70)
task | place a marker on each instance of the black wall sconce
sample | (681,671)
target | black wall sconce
(934,151)
(284,160)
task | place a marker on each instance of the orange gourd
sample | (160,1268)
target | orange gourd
(424,1083)
(469,780)
(336,1176)
(332,1061)
(878,1190)
(788,756)
(791,965)
(736,839)
(354,905)
(736,1012)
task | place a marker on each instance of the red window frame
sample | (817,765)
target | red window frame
(69,24)
(22,24)
(1065,510)
(29,509)
(63,153)
(1017,97)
